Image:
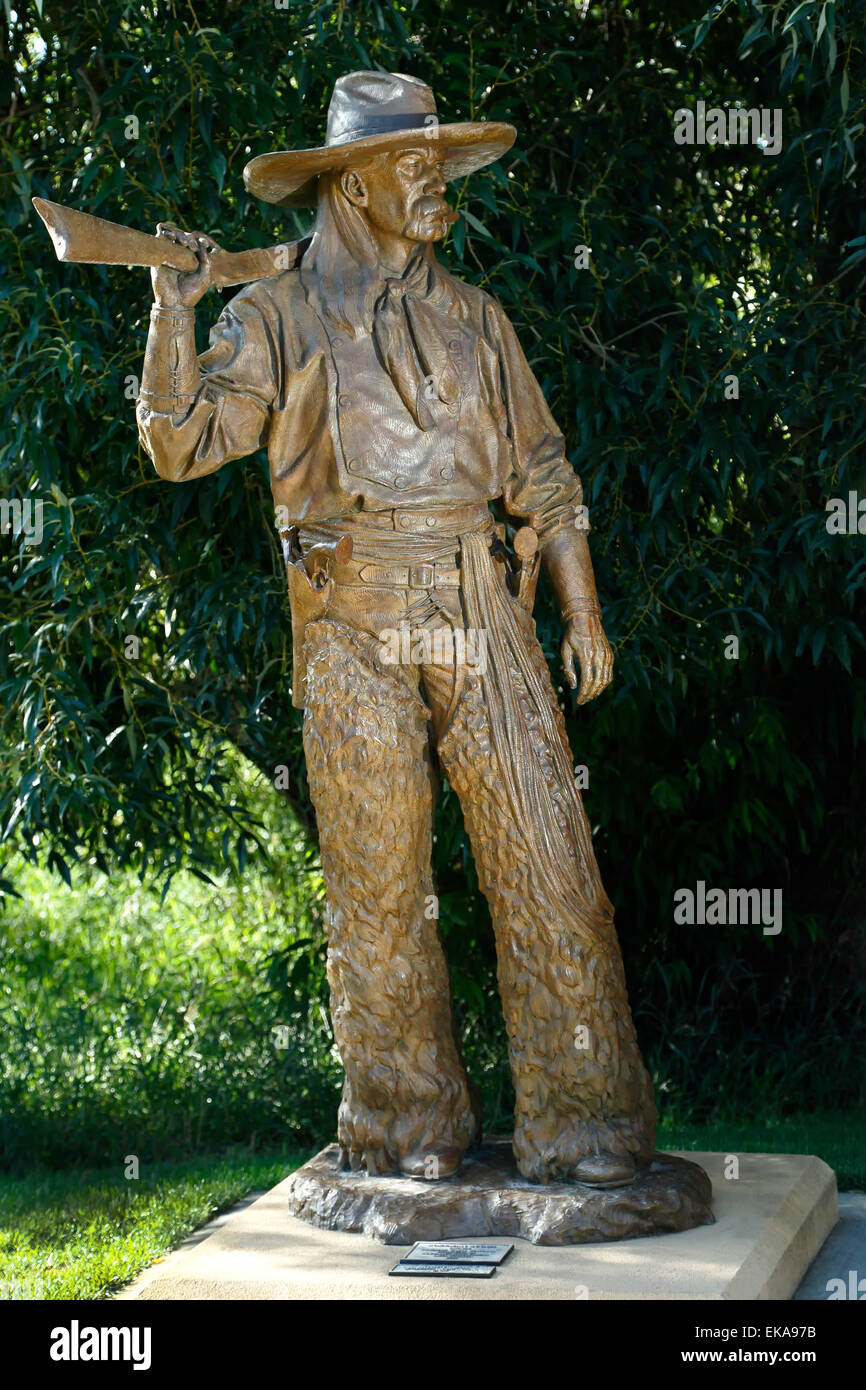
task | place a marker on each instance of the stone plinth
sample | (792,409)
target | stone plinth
(488,1197)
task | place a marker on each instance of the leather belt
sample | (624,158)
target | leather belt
(420,522)
(418,576)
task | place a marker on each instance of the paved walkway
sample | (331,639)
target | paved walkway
(843,1251)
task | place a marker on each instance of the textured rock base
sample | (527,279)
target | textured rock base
(489,1198)
(770,1224)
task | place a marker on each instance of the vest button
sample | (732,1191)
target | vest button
(447,472)
(354,465)
(346,401)
(336,342)
(401,482)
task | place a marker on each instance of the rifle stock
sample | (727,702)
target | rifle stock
(85,240)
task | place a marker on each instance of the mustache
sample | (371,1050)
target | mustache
(437,207)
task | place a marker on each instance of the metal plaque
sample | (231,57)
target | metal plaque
(441,1269)
(457,1252)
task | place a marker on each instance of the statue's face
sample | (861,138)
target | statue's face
(403,194)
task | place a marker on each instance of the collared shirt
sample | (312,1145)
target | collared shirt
(338,432)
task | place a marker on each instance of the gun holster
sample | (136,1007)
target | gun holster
(521,564)
(311,591)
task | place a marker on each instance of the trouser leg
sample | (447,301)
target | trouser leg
(581,1086)
(371,781)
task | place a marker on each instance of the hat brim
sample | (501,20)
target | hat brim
(288,177)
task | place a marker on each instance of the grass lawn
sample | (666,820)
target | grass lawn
(83,1234)
(839,1139)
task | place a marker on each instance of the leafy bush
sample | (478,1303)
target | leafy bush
(135,1026)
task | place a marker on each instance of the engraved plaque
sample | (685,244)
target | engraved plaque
(457,1252)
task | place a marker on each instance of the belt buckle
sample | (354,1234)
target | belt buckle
(422,576)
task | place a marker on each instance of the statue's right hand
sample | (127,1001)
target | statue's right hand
(179,289)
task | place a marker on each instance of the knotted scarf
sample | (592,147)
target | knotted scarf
(410,344)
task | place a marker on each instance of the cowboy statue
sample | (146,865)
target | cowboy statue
(396,405)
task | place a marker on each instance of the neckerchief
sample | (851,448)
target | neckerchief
(408,337)
(350,292)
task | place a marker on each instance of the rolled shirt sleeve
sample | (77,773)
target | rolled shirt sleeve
(232,387)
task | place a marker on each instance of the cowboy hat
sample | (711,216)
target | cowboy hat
(371,112)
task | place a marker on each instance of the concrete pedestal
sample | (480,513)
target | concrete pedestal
(770,1223)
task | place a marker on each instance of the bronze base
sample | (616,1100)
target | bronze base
(489,1198)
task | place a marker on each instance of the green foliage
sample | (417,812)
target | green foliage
(708,513)
(161,1029)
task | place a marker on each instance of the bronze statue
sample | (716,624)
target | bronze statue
(396,404)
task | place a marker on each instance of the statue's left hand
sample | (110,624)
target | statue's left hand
(584,638)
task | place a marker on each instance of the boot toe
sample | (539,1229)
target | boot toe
(605,1170)
(432,1165)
